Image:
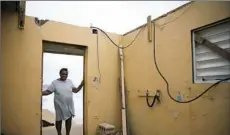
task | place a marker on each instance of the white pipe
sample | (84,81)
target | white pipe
(124,124)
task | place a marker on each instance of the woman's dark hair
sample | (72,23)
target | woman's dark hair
(63,69)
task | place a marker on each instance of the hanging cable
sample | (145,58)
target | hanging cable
(156,97)
(166,82)
(114,42)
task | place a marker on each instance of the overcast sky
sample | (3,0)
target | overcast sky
(111,16)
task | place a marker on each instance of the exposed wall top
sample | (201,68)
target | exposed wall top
(16,6)
(164,15)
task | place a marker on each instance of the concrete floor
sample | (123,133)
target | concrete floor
(75,130)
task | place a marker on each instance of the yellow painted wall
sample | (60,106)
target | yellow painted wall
(103,103)
(21,56)
(21,73)
(174,57)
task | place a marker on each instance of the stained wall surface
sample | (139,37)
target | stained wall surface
(207,115)
(21,56)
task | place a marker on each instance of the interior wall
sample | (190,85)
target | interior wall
(21,67)
(207,115)
(102,100)
(21,55)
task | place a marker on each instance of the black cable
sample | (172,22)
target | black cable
(98,62)
(167,84)
(114,42)
(154,99)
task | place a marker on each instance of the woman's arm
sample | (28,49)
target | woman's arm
(49,90)
(46,92)
(76,90)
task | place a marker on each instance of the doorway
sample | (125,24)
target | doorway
(55,57)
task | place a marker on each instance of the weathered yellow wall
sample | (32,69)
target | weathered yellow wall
(174,57)
(21,56)
(21,73)
(103,103)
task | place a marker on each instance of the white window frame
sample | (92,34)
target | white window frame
(194,70)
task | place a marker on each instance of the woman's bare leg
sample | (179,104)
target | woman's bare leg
(58,127)
(68,124)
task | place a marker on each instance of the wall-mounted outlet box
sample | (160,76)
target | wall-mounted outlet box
(94,31)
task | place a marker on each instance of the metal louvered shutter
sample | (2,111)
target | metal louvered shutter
(208,65)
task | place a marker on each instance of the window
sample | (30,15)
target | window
(209,66)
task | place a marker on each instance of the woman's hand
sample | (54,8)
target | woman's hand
(46,92)
(82,82)
(76,90)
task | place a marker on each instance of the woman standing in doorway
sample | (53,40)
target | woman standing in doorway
(63,89)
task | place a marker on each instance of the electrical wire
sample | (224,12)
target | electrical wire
(188,6)
(98,62)
(154,99)
(114,42)
(166,82)
(155,62)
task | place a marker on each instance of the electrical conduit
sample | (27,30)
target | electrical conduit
(124,122)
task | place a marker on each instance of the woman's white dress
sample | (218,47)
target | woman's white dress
(63,99)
